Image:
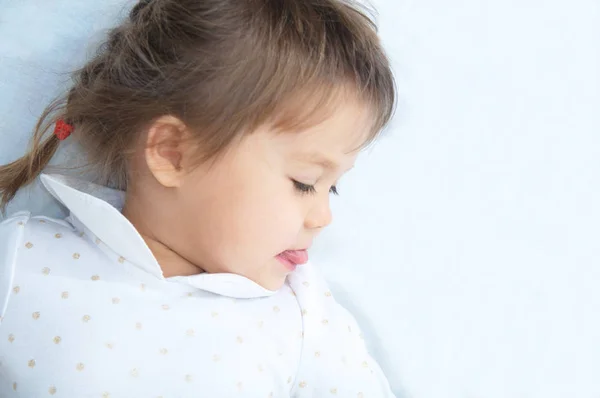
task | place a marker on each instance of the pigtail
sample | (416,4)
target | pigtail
(23,171)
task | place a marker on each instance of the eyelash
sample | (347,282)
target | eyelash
(310,189)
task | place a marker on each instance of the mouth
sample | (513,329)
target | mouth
(292,258)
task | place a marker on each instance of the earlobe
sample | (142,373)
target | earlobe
(165,149)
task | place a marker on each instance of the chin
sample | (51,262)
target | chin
(273,276)
(278,285)
(274,283)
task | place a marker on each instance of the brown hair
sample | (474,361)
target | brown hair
(223,67)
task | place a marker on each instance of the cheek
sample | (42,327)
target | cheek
(243,221)
(268,217)
(241,214)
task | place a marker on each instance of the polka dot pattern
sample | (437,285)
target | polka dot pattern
(77,305)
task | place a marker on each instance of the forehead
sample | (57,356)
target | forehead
(340,133)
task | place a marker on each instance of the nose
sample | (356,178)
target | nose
(319,215)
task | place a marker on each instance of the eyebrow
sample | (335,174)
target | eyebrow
(319,159)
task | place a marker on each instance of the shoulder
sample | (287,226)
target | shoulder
(25,232)
(12,231)
(19,234)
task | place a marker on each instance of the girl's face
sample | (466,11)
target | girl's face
(266,195)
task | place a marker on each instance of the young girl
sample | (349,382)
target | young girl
(221,128)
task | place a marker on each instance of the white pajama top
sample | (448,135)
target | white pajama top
(85,311)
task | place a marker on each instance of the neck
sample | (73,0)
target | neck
(171,263)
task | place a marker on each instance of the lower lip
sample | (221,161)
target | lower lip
(288,264)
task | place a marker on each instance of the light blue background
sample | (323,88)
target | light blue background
(467,240)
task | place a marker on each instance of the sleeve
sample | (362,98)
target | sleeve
(378,384)
(336,360)
(12,231)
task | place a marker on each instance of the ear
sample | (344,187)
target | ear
(167,143)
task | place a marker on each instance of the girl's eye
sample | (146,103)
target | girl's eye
(305,188)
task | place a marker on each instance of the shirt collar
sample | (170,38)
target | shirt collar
(98,208)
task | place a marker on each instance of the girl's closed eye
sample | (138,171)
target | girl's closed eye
(310,189)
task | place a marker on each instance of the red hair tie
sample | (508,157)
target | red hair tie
(62,130)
